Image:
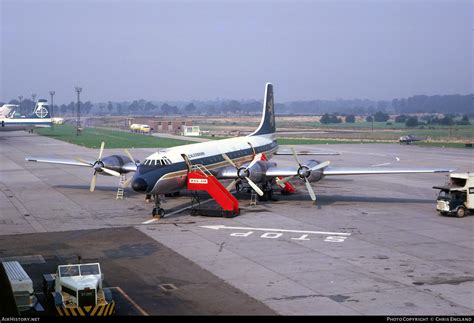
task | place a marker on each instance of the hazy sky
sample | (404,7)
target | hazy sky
(125,50)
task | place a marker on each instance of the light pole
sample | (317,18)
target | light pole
(20,97)
(33,96)
(51,112)
(78,120)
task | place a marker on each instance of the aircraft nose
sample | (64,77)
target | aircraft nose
(139,185)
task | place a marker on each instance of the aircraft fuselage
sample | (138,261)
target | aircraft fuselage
(166,171)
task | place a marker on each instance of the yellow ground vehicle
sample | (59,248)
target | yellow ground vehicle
(76,290)
(135,127)
(145,129)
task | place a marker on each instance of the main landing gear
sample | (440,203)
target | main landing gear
(158,211)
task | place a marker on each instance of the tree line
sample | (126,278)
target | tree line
(408,120)
(446,104)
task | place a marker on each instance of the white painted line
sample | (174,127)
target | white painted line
(217,227)
(149,221)
(384,164)
(175,212)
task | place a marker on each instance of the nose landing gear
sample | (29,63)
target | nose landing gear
(158,211)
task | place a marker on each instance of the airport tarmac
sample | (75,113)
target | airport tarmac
(371,245)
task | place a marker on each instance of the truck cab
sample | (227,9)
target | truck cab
(457,196)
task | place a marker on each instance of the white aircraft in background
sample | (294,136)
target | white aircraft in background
(240,159)
(40,117)
(7,110)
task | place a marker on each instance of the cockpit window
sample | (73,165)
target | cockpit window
(157,162)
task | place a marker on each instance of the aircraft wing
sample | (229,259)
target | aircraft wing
(329,171)
(333,171)
(60,161)
(306,152)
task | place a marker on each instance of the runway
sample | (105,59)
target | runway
(372,245)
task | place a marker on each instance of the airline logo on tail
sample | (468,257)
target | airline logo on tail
(41,111)
(270,107)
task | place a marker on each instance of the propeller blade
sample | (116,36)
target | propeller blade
(231,186)
(255,159)
(296,156)
(254,186)
(310,190)
(127,182)
(111,172)
(94,178)
(319,166)
(101,150)
(83,161)
(282,181)
(229,160)
(129,155)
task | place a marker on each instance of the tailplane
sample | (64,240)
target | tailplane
(267,124)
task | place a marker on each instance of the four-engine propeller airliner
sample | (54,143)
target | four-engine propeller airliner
(240,159)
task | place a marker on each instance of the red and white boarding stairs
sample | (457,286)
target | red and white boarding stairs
(200,179)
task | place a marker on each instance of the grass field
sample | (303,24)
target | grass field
(309,141)
(306,141)
(92,137)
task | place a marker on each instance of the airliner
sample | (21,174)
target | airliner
(39,118)
(242,159)
(7,110)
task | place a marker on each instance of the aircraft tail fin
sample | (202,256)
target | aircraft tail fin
(267,124)
(41,111)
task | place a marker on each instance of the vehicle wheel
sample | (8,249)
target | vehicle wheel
(461,212)
(154,212)
(441,213)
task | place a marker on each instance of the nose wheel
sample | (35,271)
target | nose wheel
(158,211)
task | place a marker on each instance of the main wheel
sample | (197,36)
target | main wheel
(461,212)
(154,212)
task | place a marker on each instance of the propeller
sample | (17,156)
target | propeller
(304,172)
(129,180)
(243,172)
(98,166)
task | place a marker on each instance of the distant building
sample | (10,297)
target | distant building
(193,131)
(162,124)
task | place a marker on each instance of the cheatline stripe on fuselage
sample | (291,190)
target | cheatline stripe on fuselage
(26,121)
(181,168)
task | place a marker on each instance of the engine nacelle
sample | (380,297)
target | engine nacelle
(119,163)
(258,171)
(316,175)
